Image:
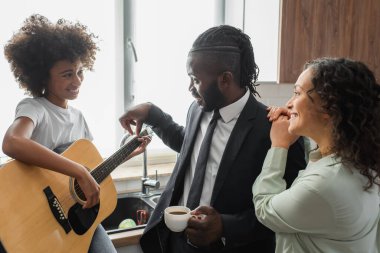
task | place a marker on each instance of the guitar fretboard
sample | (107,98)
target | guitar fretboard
(104,169)
(108,165)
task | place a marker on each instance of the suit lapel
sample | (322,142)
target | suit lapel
(187,148)
(243,125)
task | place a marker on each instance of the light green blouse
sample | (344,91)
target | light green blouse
(325,210)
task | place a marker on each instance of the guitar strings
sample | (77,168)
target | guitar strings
(109,165)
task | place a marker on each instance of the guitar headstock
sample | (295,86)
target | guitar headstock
(146,132)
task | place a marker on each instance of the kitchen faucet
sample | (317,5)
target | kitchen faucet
(148,183)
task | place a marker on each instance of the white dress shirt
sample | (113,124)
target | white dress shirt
(229,115)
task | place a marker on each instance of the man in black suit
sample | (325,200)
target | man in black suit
(222,73)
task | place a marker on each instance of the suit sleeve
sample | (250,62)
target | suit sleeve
(171,133)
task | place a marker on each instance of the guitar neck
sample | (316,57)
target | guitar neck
(104,169)
(107,166)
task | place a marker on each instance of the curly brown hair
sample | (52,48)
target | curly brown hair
(350,95)
(39,44)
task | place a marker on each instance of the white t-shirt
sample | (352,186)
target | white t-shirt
(54,127)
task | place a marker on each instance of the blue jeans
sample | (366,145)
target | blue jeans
(100,242)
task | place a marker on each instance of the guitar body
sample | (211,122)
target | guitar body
(30,223)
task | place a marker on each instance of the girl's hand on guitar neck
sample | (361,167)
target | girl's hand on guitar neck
(90,188)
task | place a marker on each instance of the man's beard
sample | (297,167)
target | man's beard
(213,98)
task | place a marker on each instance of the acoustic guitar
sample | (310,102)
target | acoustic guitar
(41,210)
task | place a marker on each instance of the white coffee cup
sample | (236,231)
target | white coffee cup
(176,217)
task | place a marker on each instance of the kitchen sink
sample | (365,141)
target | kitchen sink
(131,206)
(155,198)
(128,207)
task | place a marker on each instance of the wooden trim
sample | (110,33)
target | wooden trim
(126,238)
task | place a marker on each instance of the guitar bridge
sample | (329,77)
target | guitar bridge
(57,209)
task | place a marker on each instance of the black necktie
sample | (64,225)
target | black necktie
(200,168)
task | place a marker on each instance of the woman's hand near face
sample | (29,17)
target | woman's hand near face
(279,134)
(274,112)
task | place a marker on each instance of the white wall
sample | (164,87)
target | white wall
(275,94)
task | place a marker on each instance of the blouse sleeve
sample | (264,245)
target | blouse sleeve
(301,208)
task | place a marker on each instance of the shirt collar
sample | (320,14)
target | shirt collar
(232,111)
(329,160)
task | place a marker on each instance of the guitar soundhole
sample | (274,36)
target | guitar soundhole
(82,219)
(78,193)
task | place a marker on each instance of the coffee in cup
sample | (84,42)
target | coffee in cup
(176,217)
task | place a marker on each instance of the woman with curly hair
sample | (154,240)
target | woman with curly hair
(48,61)
(333,205)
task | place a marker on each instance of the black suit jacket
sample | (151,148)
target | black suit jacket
(241,163)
